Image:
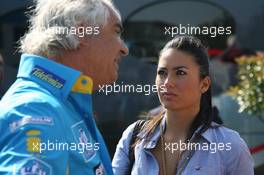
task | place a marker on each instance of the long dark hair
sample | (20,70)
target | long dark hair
(194,47)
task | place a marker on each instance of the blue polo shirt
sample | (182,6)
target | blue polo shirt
(47,125)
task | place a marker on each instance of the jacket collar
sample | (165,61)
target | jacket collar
(57,78)
(208,135)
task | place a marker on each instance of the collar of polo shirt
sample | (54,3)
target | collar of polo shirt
(83,84)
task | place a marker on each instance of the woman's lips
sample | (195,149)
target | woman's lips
(169,95)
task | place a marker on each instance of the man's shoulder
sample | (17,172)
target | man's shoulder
(27,107)
(27,97)
(23,92)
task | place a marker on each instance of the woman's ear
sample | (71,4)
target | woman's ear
(205,84)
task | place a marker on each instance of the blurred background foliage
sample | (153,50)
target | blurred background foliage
(249,92)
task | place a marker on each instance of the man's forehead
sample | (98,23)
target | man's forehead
(114,14)
(112,9)
(115,20)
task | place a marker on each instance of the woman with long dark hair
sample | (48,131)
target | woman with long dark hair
(182,139)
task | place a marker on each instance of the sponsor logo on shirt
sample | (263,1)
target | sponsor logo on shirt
(99,169)
(48,77)
(82,136)
(34,166)
(33,141)
(30,120)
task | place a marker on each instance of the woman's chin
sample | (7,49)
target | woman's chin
(170,106)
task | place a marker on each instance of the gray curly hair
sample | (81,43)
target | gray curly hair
(51,16)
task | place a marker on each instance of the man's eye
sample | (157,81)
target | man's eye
(161,72)
(180,72)
(119,32)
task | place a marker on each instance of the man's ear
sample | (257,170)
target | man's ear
(205,84)
(81,34)
(83,41)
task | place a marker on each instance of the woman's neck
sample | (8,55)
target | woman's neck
(178,122)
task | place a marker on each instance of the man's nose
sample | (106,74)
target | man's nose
(124,49)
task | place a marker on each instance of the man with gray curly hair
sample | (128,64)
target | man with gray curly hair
(46,123)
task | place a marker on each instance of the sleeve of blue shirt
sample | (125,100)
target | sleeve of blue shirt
(120,161)
(23,129)
(238,160)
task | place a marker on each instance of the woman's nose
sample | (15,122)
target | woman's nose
(168,83)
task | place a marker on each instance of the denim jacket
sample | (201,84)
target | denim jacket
(222,152)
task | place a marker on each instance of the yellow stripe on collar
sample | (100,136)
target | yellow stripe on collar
(83,84)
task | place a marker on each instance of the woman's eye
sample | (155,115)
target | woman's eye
(161,72)
(180,72)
